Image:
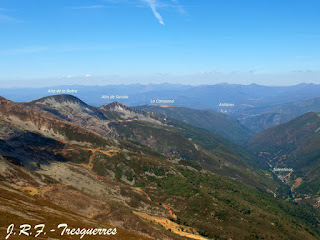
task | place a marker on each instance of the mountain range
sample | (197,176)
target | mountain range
(169,137)
(150,175)
(255,106)
(247,99)
(281,114)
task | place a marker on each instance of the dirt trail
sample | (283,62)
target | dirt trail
(109,153)
(297,183)
(172,226)
(90,166)
(31,190)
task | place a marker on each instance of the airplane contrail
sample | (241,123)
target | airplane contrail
(153,4)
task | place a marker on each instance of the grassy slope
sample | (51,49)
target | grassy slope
(294,144)
(19,207)
(178,140)
(218,207)
(215,206)
(213,121)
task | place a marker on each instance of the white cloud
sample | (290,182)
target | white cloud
(87,75)
(153,6)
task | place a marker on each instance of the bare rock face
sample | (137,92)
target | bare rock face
(128,112)
(76,111)
(46,123)
(97,120)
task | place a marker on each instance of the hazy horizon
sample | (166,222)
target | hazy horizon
(289,79)
(149,41)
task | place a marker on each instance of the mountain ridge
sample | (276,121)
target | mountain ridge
(219,123)
(117,178)
(281,115)
(294,144)
(171,139)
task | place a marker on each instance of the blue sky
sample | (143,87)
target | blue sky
(125,41)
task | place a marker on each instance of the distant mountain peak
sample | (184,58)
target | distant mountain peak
(254,84)
(60,99)
(114,104)
(127,112)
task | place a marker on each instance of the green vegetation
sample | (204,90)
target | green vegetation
(206,181)
(295,144)
(211,151)
(210,120)
(219,201)
(281,115)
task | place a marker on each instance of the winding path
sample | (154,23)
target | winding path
(90,166)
